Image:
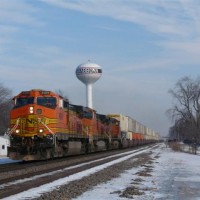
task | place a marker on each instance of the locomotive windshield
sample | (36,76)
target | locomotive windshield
(24,101)
(47,101)
(87,115)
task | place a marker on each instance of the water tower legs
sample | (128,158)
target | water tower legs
(89,95)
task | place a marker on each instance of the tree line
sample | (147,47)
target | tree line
(5,107)
(185,111)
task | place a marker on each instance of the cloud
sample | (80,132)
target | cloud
(5,35)
(173,21)
(18,12)
(108,28)
(170,17)
(191,48)
(14,17)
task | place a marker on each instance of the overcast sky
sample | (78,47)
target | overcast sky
(144,47)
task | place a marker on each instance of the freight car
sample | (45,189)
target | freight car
(45,125)
(133,132)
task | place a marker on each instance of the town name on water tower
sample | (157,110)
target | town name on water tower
(88,70)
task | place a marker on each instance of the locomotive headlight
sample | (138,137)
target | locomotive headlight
(31,110)
(41,130)
(17,131)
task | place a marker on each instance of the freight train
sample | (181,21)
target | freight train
(44,125)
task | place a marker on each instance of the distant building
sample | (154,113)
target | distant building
(4,143)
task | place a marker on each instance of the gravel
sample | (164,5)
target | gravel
(78,187)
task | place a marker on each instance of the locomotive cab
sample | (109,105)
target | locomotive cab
(34,122)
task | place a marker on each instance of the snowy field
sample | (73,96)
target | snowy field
(172,176)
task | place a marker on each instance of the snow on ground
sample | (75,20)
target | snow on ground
(171,176)
(6,160)
(36,192)
(175,176)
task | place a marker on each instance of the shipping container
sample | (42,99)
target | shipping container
(123,121)
(131,124)
(139,128)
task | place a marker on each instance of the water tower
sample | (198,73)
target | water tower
(88,73)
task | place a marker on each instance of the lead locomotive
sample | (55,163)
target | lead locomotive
(45,125)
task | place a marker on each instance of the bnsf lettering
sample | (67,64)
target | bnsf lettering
(32,121)
(89,71)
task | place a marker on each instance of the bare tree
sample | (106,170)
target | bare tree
(5,106)
(181,130)
(172,133)
(186,109)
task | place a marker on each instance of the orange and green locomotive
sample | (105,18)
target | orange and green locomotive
(45,125)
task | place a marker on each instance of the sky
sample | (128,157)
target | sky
(144,47)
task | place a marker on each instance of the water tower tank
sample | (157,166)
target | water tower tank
(88,73)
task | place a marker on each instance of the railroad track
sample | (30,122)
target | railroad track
(57,169)
(32,167)
(8,167)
